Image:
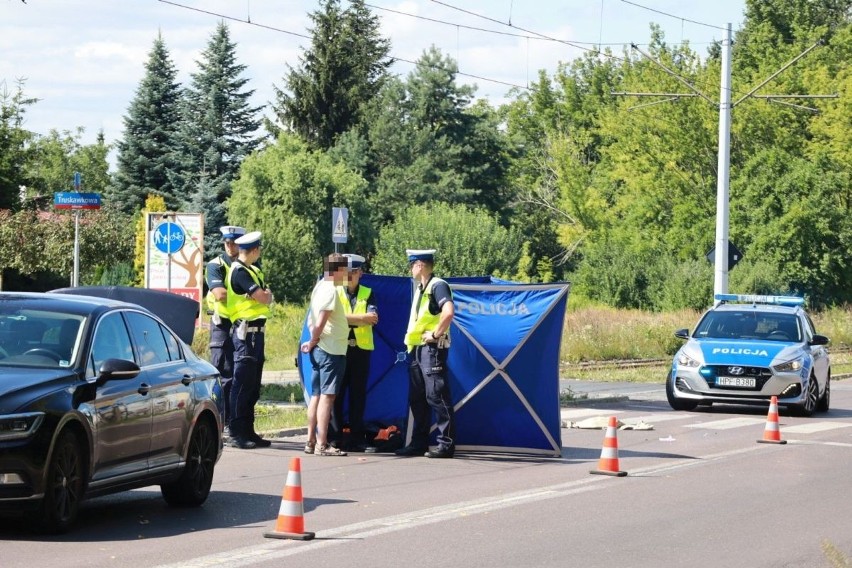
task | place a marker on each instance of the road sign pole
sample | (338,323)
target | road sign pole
(75,276)
(169,256)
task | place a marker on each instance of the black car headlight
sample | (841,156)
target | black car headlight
(16,426)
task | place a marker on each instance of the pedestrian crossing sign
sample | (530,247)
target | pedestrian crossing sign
(339,224)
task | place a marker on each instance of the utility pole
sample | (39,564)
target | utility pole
(723,175)
(720,281)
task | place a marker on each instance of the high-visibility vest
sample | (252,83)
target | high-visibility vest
(363,333)
(222,308)
(420,320)
(246,307)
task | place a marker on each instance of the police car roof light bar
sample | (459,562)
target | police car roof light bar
(760,299)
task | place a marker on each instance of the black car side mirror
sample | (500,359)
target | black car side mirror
(682,334)
(117,369)
(819,340)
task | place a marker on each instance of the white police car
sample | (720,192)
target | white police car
(748,348)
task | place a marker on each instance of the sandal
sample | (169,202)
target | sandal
(329,451)
(309,447)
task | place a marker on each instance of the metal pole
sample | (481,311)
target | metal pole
(75,277)
(168,255)
(720,283)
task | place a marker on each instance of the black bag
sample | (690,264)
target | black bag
(388,439)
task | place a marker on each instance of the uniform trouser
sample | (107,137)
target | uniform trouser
(245,389)
(355,384)
(429,390)
(222,357)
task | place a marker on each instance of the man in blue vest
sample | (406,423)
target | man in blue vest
(361,315)
(249,314)
(428,341)
(221,346)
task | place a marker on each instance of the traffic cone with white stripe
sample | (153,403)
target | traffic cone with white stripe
(608,464)
(291,520)
(772,434)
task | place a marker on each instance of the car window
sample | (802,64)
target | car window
(150,342)
(111,341)
(769,326)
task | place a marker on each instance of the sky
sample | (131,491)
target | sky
(83,59)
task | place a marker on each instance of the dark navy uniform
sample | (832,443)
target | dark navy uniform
(221,345)
(247,333)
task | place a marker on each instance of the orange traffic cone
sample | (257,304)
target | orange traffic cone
(608,464)
(771,434)
(291,522)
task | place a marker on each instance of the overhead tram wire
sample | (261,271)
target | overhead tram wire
(279,30)
(543,36)
(682,19)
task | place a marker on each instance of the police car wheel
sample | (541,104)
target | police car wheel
(677,403)
(825,401)
(809,405)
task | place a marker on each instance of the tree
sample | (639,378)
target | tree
(469,241)
(428,143)
(145,153)
(287,191)
(53,159)
(343,70)
(217,132)
(13,144)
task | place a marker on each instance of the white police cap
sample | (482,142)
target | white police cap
(420,254)
(232,232)
(249,240)
(356,261)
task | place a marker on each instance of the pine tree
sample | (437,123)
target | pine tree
(146,151)
(218,130)
(342,71)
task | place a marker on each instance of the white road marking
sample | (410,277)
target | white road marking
(728,423)
(813,427)
(582,413)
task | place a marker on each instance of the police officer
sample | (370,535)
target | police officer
(428,340)
(361,315)
(219,302)
(249,314)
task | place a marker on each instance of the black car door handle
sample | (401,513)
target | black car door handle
(144,388)
(186,380)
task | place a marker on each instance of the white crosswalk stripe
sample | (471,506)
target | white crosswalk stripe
(629,417)
(813,427)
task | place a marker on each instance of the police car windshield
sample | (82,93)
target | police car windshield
(38,338)
(749,325)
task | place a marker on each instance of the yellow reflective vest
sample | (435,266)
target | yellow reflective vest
(420,320)
(363,333)
(246,307)
(222,308)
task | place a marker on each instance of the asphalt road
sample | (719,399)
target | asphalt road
(699,492)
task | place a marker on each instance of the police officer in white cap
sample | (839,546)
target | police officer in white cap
(428,340)
(220,300)
(359,305)
(249,315)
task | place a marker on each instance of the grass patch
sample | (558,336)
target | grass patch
(590,333)
(282,392)
(276,417)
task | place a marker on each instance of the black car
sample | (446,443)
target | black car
(99,396)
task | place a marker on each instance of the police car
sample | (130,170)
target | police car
(747,348)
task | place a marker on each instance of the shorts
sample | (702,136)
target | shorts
(327,372)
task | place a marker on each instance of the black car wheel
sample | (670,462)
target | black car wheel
(64,489)
(678,403)
(825,401)
(193,486)
(809,405)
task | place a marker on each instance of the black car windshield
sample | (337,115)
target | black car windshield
(753,325)
(38,337)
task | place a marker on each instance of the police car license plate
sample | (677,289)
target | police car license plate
(744,382)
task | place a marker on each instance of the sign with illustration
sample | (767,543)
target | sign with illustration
(174,253)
